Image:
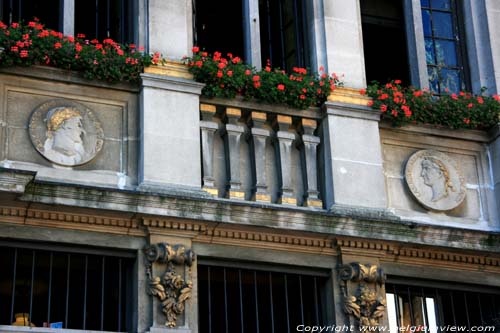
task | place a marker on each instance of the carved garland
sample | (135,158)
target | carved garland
(365,303)
(171,289)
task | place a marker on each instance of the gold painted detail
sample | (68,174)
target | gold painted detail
(288,201)
(233,112)
(212,191)
(170,68)
(262,197)
(208,108)
(365,302)
(259,115)
(309,123)
(349,96)
(314,203)
(284,119)
(237,195)
(171,289)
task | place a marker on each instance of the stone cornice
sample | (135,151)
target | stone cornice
(358,222)
(61,75)
(47,217)
(418,255)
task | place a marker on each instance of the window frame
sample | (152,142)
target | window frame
(475,48)
(314,36)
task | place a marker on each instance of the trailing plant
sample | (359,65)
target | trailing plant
(32,44)
(405,105)
(229,77)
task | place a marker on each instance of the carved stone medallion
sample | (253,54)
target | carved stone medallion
(65,132)
(435,180)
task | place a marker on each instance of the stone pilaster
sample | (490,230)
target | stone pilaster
(494,153)
(234,131)
(170,132)
(344,41)
(310,144)
(260,134)
(170,27)
(354,174)
(208,128)
(285,139)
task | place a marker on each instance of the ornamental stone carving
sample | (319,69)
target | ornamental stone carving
(363,297)
(435,180)
(65,132)
(170,288)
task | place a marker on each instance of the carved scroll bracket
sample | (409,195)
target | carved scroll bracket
(170,288)
(363,298)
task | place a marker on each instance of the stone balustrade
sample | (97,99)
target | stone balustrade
(259,153)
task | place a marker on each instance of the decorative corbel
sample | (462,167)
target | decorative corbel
(171,289)
(361,288)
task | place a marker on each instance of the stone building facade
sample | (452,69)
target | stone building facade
(178,213)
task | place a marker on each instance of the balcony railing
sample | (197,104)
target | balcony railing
(260,153)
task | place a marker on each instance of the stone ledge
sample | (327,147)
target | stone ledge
(431,130)
(341,221)
(178,84)
(351,111)
(239,102)
(61,75)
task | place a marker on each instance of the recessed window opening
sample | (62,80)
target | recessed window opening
(444,46)
(384,41)
(47,288)
(235,299)
(277,29)
(434,307)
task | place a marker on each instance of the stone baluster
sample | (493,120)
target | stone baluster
(310,144)
(285,138)
(234,131)
(208,128)
(259,135)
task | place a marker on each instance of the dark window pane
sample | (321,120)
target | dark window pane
(104,19)
(430,56)
(426,21)
(384,28)
(441,4)
(212,32)
(424,3)
(26,10)
(283,33)
(449,80)
(446,53)
(433,79)
(443,25)
(267,301)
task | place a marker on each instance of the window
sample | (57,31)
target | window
(231,299)
(384,41)
(96,19)
(49,12)
(77,290)
(437,306)
(256,30)
(444,51)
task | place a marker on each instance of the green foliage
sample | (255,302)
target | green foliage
(404,105)
(230,77)
(32,44)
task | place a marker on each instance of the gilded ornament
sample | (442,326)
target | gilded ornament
(171,289)
(65,132)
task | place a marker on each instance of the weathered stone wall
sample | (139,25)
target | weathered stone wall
(467,148)
(114,107)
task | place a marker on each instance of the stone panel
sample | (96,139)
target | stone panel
(398,146)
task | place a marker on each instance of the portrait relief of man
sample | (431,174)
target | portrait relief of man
(65,135)
(436,176)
